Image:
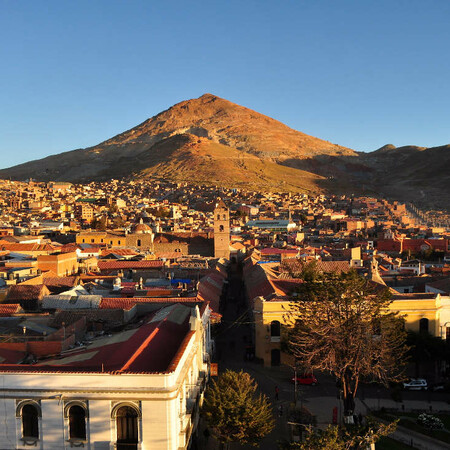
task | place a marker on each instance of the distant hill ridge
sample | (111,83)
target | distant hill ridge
(214,141)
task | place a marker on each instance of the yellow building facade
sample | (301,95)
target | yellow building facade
(422,312)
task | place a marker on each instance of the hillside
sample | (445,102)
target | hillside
(213,141)
(236,147)
(413,173)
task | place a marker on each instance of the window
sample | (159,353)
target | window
(127,428)
(224,217)
(447,333)
(83,241)
(275,328)
(77,422)
(221,228)
(118,242)
(423,325)
(138,242)
(218,216)
(92,240)
(30,421)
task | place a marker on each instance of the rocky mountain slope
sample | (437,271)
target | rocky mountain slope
(213,141)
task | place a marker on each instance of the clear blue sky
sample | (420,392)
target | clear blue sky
(357,73)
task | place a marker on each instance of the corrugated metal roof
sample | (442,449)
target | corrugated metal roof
(66,302)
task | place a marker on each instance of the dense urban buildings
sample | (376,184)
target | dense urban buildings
(111,292)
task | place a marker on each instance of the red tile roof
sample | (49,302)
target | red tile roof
(26,292)
(154,347)
(128,303)
(116,265)
(7,310)
(28,247)
(60,281)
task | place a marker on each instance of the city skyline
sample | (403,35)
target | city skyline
(360,76)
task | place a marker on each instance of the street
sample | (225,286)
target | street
(235,333)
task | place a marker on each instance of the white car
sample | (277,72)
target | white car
(416,384)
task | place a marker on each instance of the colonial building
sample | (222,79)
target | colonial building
(221,231)
(136,389)
(271,298)
(142,237)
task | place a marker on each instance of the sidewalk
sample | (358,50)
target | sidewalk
(407,405)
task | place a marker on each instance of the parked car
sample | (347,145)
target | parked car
(416,384)
(305,378)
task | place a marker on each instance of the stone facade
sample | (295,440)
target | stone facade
(221,231)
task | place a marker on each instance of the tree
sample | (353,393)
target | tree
(235,411)
(100,224)
(342,325)
(336,438)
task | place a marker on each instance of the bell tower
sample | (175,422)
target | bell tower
(221,230)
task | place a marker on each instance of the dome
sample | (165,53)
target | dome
(142,228)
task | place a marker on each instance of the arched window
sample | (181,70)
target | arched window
(224,217)
(138,242)
(423,325)
(275,328)
(127,428)
(221,228)
(30,421)
(77,422)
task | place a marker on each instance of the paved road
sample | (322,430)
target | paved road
(236,332)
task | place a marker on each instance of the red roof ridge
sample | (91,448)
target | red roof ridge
(178,355)
(139,350)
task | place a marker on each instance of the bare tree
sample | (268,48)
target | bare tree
(342,325)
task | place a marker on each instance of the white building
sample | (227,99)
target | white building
(137,389)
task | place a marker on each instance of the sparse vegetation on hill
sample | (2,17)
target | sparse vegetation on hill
(214,141)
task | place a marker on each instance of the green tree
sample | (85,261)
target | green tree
(338,438)
(342,325)
(100,224)
(235,411)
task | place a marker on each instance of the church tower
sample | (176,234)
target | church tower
(221,230)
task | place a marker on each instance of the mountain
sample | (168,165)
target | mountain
(412,173)
(214,141)
(207,139)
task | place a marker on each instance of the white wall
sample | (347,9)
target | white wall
(52,435)
(8,423)
(99,429)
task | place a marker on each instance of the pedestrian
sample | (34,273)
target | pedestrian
(277,392)
(280,411)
